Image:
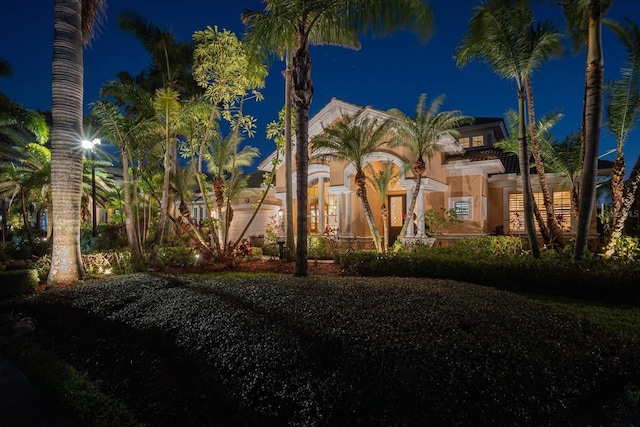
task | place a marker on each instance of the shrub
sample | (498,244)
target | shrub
(496,245)
(17,282)
(597,279)
(175,256)
(319,247)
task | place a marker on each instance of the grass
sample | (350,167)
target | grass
(618,319)
(66,386)
(277,350)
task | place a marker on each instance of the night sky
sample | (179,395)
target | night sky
(385,73)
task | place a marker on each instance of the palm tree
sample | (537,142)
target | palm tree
(267,33)
(381,181)
(304,18)
(421,136)
(584,20)
(222,159)
(543,40)
(495,35)
(622,113)
(74,21)
(353,141)
(170,60)
(125,128)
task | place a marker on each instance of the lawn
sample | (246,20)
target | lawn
(279,350)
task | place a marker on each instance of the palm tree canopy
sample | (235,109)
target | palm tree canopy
(421,133)
(220,154)
(623,95)
(283,23)
(14,115)
(92,15)
(576,14)
(502,34)
(351,140)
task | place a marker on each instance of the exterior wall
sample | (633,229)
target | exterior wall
(473,186)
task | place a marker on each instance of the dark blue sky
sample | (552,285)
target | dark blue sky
(385,73)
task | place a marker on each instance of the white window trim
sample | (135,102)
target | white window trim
(467,199)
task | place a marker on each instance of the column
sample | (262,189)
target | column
(321,220)
(340,222)
(348,213)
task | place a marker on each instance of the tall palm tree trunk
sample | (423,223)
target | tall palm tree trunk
(362,193)
(527,194)
(66,156)
(288,164)
(592,124)
(412,207)
(385,227)
(302,94)
(554,231)
(617,193)
(132,238)
(164,202)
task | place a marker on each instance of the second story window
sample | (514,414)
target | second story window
(471,142)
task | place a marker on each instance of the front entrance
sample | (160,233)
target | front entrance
(397,206)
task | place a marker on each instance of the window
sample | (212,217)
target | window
(322,212)
(313,216)
(471,142)
(463,207)
(562,208)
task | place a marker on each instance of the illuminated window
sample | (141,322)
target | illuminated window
(321,213)
(516,211)
(477,141)
(313,215)
(464,142)
(562,208)
(463,207)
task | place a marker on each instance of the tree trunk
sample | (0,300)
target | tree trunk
(288,165)
(385,227)
(617,194)
(132,238)
(302,94)
(593,123)
(362,193)
(554,233)
(164,202)
(417,170)
(527,194)
(629,195)
(66,155)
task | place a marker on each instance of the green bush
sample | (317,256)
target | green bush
(17,282)
(497,245)
(594,278)
(176,256)
(319,247)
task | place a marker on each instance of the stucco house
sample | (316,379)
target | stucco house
(470,175)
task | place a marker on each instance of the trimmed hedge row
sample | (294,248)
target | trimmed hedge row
(593,279)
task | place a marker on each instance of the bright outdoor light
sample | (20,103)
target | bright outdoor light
(88,145)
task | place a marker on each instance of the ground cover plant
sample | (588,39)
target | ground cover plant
(332,350)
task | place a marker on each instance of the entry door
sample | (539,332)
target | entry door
(397,206)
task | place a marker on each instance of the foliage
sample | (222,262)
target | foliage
(273,231)
(110,237)
(176,256)
(95,264)
(320,247)
(436,221)
(349,351)
(16,282)
(594,278)
(490,245)
(67,386)
(626,248)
